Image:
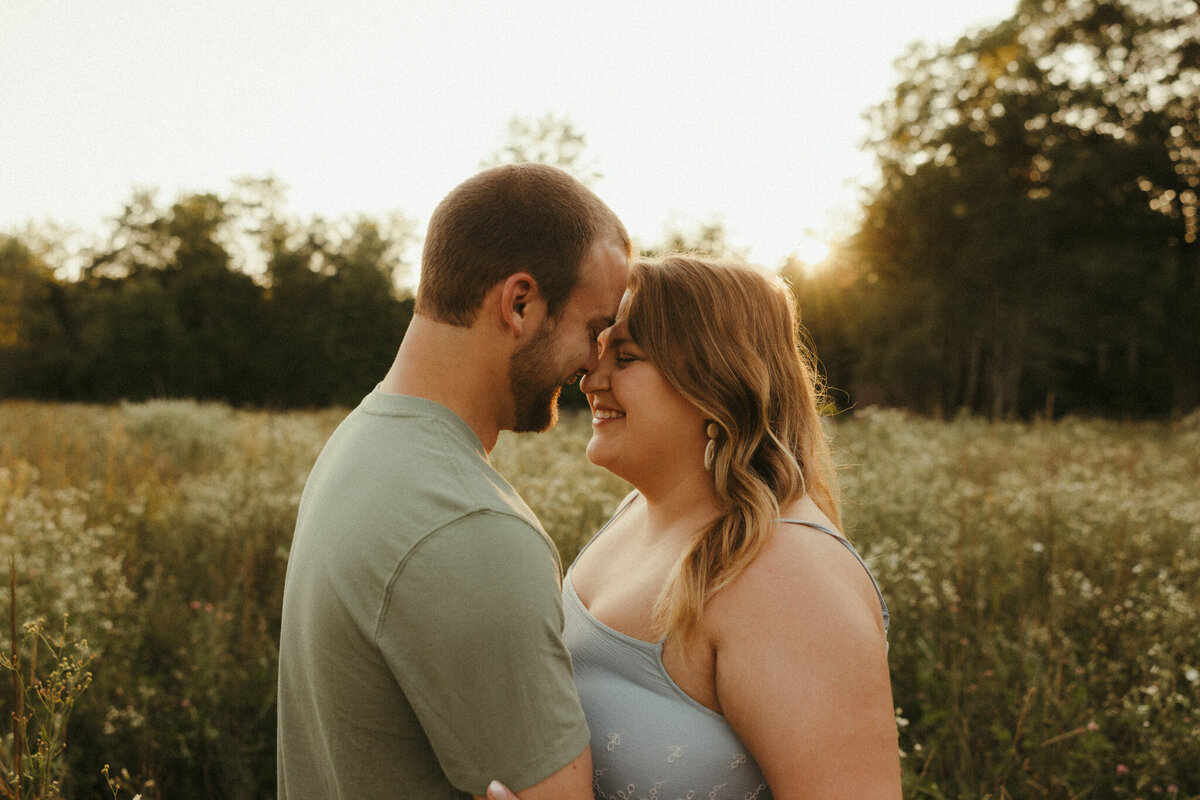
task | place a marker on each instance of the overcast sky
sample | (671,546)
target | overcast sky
(745,112)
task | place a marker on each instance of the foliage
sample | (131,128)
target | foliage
(163,528)
(212,297)
(1031,248)
(42,699)
(1032,242)
(1042,578)
(550,139)
(1043,581)
(706,239)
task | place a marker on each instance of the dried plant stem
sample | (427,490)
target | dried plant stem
(18,721)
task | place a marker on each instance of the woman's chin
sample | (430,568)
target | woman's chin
(596,455)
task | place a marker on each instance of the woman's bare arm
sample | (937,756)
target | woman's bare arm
(801,671)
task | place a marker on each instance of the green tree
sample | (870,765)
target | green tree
(335,316)
(172,315)
(129,341)
(215,296)
(1032,236)
(550,139)
(35,351)
(705,238)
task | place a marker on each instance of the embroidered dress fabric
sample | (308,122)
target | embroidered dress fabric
(649,739)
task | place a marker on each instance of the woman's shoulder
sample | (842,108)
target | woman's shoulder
(804,574)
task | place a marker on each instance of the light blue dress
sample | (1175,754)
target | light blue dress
(649,739)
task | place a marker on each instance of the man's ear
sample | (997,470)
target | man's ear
(521,303)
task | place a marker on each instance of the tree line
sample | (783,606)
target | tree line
(215,297)
(1029,248)
(1031,244)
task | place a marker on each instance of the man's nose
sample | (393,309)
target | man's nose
(592,362)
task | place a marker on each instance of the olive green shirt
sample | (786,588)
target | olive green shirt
(421,649)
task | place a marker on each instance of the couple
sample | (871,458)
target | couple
(717,639)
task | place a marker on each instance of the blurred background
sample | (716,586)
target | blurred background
(211,217)
(982,207)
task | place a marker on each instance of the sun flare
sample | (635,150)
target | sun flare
(812,250)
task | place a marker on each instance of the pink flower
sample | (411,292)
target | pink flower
(1122,769)
(195,604)
(1092,726)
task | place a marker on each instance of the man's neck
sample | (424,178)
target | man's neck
(451,366)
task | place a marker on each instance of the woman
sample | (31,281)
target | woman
(727,640)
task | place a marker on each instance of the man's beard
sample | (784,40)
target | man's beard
(534,389)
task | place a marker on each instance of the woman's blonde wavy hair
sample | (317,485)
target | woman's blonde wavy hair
(726,337)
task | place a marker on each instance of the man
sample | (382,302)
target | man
(421,652)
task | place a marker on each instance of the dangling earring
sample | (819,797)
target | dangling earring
(710,448)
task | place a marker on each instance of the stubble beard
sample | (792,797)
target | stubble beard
(534,389)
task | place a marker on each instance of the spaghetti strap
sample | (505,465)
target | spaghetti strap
(887,617)
(625,503)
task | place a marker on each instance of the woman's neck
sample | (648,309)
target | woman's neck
(682,506)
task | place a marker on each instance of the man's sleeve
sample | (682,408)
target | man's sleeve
(472,630)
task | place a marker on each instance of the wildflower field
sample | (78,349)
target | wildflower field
(1044,582)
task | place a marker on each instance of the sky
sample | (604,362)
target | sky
(748,113)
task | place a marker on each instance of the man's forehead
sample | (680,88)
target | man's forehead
(598,287)
(605,267)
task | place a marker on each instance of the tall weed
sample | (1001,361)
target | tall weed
(1043,580)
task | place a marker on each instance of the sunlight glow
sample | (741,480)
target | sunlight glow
(812,250)
(781,153)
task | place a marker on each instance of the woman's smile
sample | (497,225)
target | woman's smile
(602,414)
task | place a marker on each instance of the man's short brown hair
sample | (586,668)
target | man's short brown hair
(516,218)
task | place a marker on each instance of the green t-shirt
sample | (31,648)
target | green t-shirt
(421,649)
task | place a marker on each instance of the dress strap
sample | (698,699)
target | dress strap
(625,503)
(887,617)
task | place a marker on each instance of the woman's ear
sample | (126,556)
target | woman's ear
(521,303)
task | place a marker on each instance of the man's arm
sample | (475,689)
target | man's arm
(572,782)
(473,634)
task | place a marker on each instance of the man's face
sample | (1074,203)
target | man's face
(564,347)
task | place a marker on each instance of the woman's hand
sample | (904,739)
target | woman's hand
(572,782)
(498,791)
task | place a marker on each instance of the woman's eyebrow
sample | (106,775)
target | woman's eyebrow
(614,336)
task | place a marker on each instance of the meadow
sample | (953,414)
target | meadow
(1043,578)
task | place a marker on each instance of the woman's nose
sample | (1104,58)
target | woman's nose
(594,380)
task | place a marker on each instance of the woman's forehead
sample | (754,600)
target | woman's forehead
(615,334)
(623,308)
(619,330)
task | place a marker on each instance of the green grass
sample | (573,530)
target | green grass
(1044,583)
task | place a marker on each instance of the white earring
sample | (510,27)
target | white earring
(711,447)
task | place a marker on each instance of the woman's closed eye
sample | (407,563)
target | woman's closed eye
(626,357)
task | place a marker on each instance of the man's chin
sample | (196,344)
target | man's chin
(539,417)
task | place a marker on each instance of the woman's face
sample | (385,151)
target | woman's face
(643,430)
